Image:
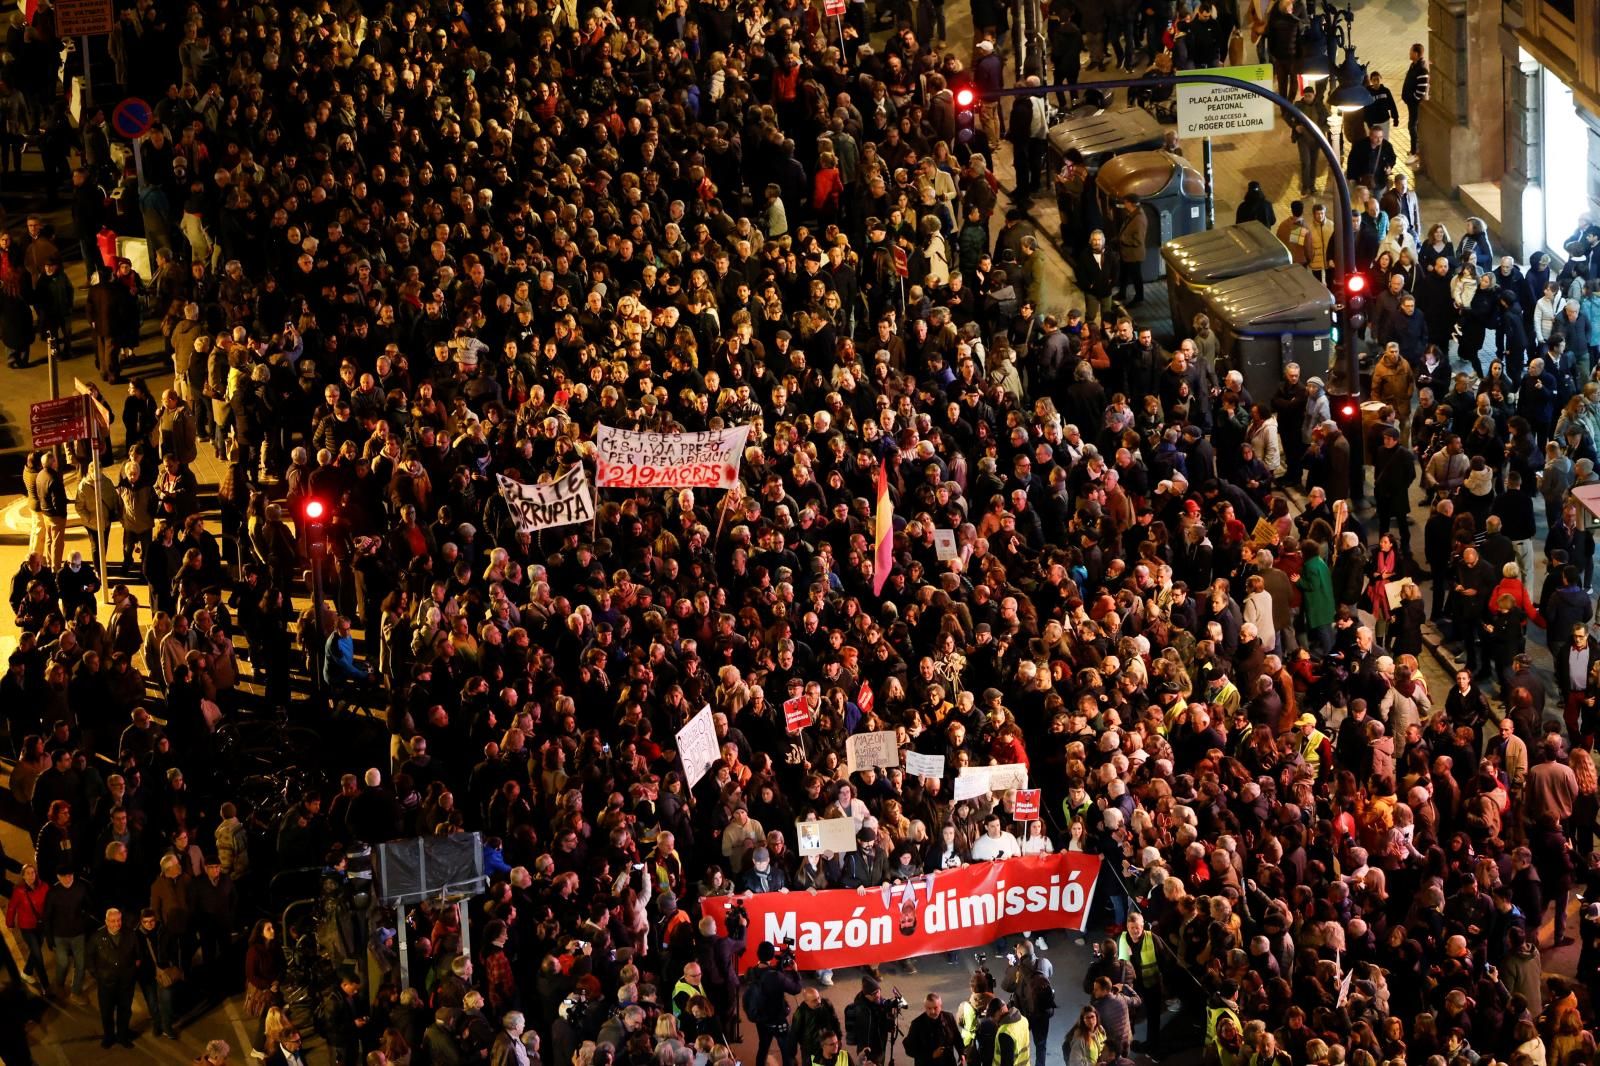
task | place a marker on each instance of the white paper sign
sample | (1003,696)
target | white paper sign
(697,746)
(1007,776)
(627,459)
(920,765)
(944,545)
(563,502)
(972,782)
(871,749)
(977,780)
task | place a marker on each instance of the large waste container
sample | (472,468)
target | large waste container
(1272,317)
(1171,190)
(1200,260)
(1099,135)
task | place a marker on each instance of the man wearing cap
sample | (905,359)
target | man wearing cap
(1313,743)
(763,876)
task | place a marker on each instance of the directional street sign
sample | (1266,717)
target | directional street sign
(55,422)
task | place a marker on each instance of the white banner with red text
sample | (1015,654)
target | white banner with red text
(628,459)
(967,907)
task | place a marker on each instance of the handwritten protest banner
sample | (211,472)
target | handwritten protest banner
(872,749)
(970,784)
(627,459)
(1003,777)
(697,746)
(920,765)
(565,501)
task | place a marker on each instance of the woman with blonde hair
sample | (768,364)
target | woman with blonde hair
(1587,804)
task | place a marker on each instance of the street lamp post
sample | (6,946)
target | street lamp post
(1344,376)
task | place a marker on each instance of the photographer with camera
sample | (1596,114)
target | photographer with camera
(971,1012)
(766,989)
(1031,992)
(870,1018)
(933,1038)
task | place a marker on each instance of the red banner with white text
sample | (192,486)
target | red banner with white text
(946,911)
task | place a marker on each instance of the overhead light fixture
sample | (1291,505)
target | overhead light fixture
(1314,63)
(1352,93)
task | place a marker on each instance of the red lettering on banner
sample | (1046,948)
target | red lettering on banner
(651,476)
(946,911)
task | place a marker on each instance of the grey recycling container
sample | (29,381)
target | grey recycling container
(1199,260)
(1171,190)
(1099,135)
(1268,318)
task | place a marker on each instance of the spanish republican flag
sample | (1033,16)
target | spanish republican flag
(884,534)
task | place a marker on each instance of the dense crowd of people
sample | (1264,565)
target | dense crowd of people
(402,253)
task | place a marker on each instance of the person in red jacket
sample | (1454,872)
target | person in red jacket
(25,916)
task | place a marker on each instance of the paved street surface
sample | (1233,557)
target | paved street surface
(70,1034)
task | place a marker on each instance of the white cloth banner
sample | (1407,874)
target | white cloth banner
(1002,777)
(627,459)
(697,746)
(565,501)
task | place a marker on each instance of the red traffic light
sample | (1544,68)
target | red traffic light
(314,509)
(966,97)
(1355,284)
(1348,410)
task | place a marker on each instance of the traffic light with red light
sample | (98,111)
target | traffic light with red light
(966,100)
(1355,300)
(315,514)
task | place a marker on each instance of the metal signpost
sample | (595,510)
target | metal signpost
(132,119)
(83,19)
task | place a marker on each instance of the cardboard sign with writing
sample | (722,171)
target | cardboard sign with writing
(1026,809)
(920,765)
(837,835)
(872,749)
(697,746)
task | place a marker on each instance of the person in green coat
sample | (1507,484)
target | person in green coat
(1316,590)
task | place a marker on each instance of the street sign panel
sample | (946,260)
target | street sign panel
(1216,110)
(102,412)
(132,118)
(81,18)
(55,422)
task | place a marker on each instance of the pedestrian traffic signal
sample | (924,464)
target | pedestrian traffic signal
(314,512)
(1355,300)
(966,98)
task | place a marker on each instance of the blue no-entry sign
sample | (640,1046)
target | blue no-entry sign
(132,118)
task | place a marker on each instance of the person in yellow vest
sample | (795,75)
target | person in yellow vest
(1137,946)
(689,986)
(1013,1041)
(1224,1030)
(973,1008)
(1312,743)
(832,1052)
